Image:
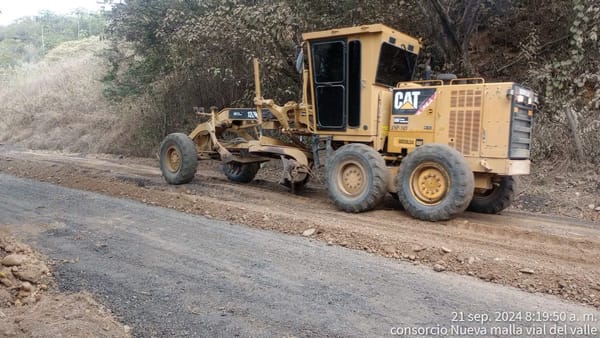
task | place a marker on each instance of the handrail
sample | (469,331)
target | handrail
(468,80)
(435,82)
(421,82)
(258,96)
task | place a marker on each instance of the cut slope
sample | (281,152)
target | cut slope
(58,103)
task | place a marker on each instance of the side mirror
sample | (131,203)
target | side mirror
(300,61)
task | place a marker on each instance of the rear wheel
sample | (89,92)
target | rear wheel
(178,158)
(357,178)
(435,183)
(241,172)
(496,199)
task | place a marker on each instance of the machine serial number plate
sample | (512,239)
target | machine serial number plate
(248,114)
(401,120)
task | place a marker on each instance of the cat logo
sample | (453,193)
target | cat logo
(407,106)
(412,102)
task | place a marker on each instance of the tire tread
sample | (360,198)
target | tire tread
(457,167)
(246,173)
(499,199)
(377,189)
(189,159)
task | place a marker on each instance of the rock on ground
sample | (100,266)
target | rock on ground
(29,308)
(13,260)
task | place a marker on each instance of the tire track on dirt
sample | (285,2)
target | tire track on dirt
(545,255)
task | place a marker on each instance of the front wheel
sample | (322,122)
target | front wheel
(496,199)
(357,178)
(435,183)
(178,158)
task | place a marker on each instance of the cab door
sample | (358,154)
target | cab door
(329,76)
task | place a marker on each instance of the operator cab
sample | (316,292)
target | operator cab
(348,68)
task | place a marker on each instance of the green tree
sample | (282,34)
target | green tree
(29,38)
(188,53)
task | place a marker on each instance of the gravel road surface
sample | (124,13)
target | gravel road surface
(168,273)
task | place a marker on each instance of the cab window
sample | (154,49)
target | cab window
(395,65)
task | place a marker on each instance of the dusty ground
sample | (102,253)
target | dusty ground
(537,253)
(30,305)
(560,190)
(173,274)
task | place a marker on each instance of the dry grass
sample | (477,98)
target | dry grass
(57,104)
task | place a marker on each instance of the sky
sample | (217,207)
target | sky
(14,9)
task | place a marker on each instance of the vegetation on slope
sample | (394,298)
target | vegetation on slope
(190,53)
(57,103)
(28,39)
(165,57)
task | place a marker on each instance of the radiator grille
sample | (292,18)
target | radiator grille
(520,133)
(465,120)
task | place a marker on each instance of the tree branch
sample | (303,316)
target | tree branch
(447,25)
(469,21)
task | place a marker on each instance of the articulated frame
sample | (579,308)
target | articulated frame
(250,145)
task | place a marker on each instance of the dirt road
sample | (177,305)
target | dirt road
(542,254)
(32,306)
(168,273)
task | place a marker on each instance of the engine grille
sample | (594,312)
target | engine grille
(465,120)
(520,130)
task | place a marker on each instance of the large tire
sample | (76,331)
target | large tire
(435,183)
(357,178)
(241,172)
(178,158)
(497,199)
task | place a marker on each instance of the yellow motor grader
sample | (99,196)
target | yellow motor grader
(441,146)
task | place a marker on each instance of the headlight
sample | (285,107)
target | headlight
(522,95)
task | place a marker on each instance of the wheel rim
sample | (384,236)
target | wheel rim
(351,178)
(429,183)
(173,159)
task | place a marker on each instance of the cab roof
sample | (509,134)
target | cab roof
(356,30)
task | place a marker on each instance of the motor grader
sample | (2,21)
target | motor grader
(440,146)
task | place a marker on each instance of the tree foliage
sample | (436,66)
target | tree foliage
(28,39)
(198,52)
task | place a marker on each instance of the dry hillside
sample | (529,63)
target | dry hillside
(58,103)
